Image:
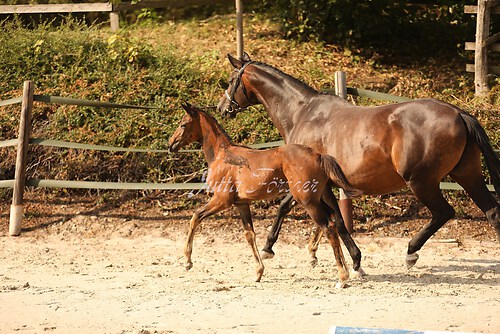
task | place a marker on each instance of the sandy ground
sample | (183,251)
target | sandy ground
(58,280)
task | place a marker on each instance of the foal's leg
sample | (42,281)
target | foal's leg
(331,205)
(432,198)
(246,217)
(320,217)
(212,207)
(313,245)
(285,207)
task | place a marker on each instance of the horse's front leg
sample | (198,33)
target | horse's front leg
(321,218)
(212,207)
(330,204)
(246,217)
(285,207)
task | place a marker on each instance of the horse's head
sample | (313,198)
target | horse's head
(188,131)
(236,97)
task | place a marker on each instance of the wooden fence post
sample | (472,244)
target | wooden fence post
(114,19)
(16,209)
(345,203)
(239,29)
(480,57)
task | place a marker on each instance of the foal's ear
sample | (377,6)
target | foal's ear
(237,63)
(189,109)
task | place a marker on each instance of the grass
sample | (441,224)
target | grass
(163,64)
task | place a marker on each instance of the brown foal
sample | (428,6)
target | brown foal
(238,175)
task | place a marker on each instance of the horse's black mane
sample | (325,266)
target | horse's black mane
(283,74)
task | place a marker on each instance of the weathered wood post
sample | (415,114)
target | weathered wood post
(239,29)
(16,209)
(345,202)
(114,19)
(481,51)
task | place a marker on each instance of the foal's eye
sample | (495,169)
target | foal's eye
(183,126)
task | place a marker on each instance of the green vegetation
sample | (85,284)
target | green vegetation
(161,65)
(73,60)
(401,26)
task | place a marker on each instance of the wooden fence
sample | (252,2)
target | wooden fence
(484,43)
(20,181)
(108,7)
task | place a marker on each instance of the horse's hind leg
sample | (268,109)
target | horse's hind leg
(441,210)
(477,190)
(246,217)
(469,175)
(285,207)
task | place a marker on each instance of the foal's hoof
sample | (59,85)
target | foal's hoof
(188,266)
(313,262)
(411,259)
(341,284)
(260,272)
(266,254)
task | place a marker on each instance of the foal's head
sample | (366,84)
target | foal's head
(189,129)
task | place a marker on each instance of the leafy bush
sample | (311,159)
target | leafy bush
(161,69)
(402,25)
(74,60)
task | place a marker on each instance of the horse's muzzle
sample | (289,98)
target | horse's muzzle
(230,112)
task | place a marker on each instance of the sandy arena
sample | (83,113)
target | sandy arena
(105,272)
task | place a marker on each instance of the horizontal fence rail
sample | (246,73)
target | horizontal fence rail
(104,7)
(149,186)
(16,210)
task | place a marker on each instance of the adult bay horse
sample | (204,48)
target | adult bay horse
(380,149)
(238,175)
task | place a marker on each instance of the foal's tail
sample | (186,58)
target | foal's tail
(335,173)
(476,132)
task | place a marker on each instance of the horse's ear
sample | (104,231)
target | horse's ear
(245,57)
(237,63)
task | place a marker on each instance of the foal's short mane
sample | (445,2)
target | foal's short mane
(288,76)
(216,126)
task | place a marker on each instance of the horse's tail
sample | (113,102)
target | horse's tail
(477,133)
(335,173)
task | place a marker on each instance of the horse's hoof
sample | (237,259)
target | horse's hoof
(341,285)
(411,259)
(266,254)
(314,262)
(188,266)
(357,273)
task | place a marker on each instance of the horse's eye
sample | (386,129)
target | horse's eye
(223,84)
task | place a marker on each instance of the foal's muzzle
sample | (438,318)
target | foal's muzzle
(174,147)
